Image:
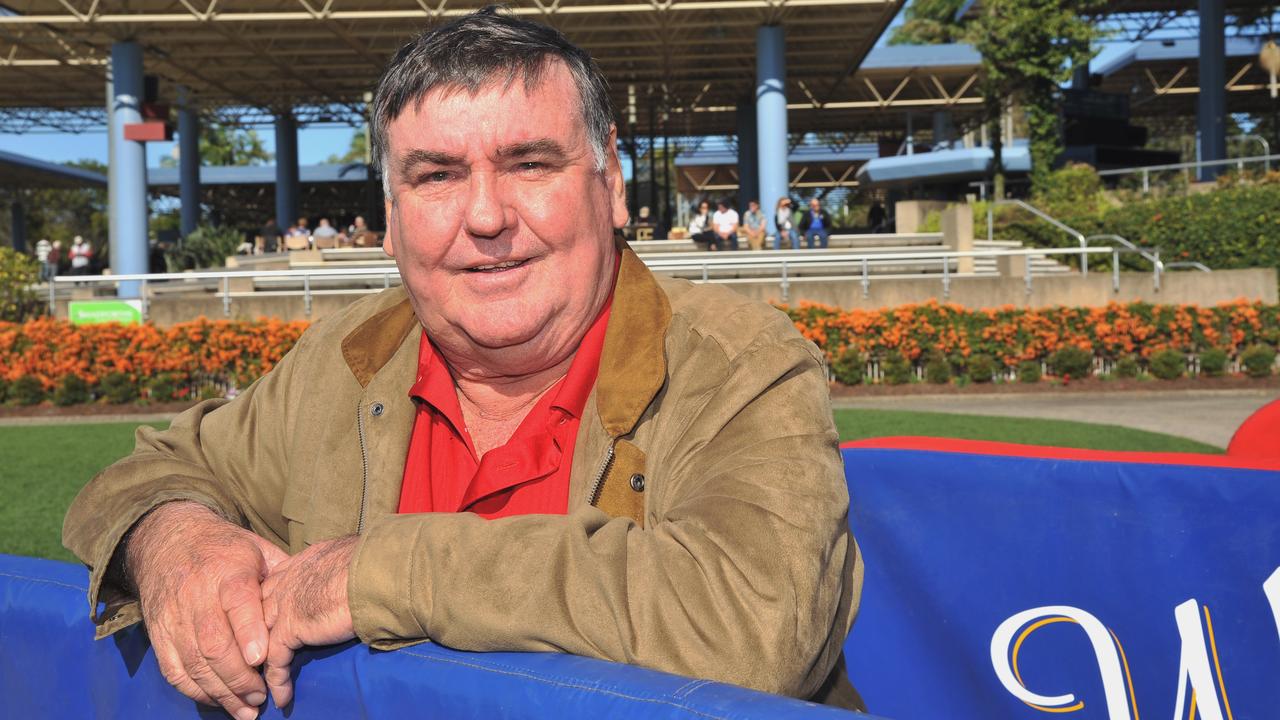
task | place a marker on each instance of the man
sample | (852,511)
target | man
(535,445)
(725,222)
(815,224)
(270,237)
(325,236)
(81,253)
(753,221)
(48,270)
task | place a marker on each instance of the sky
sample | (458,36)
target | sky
(314,143)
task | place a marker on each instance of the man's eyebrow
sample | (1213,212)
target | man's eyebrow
(413,158)
(544,147)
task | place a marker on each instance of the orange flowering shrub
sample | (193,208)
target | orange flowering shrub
(235,352)
(1013,335)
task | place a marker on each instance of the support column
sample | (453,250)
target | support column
(1211,110)
(653,161)
(771,118)
(748,156)
(128,172)
(188,161)
(286,170)
(18,228)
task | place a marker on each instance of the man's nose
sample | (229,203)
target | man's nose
(488,212)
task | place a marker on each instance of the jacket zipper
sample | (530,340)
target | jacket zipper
(596,484)
(364,466)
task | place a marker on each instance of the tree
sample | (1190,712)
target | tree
(227,145)
(356,152)
(930,22)
(1029,48)
(62,213)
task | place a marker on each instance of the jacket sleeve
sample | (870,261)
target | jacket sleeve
(244,486)
(748,576)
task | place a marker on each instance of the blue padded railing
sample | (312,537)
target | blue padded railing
(50,667)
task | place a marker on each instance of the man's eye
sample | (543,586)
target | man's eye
(532,165)
(438,176)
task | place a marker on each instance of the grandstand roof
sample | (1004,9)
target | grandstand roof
(22,171)
(162,177)
(252,57)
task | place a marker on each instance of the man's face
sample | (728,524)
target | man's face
(753,206)
(498,219)
(814,205)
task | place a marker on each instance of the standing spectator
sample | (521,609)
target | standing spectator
(80,254)
(325,236)
(700,230)
(816,223)
(725,222)
(47,269)
(270,237)
(55,257)
(753,221)
(876,217)
(786,230)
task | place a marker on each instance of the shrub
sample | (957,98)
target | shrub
(982,368)
(1029,371)
(27,390)
(118,388)
(73,390)
(1126,367)
(897,371)
(1213,362)
(4,390)
(937,371)
(207,247)
(1072,361)
(18,272)
(163,388)
(1168,364)
(848,367)
(1257,361)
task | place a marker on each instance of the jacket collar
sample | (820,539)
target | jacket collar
(633,362)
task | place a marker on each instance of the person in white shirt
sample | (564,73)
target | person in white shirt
(47,269)
(80,254)
(725,222)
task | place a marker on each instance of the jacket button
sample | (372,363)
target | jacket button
(637,482)
(377,409)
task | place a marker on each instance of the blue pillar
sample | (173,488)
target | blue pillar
(188,161)
(748,156)
(128,171)
(18,218)
(286,170)
(771,117)
(1211,113)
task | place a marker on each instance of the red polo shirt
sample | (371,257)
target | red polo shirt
(527,475)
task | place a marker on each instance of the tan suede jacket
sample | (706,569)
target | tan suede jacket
(706,532)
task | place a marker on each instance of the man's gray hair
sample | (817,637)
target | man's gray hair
(478,49)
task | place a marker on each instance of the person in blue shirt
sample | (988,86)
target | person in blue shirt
(815,224)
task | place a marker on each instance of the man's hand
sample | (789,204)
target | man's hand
(199,582)
(305,603)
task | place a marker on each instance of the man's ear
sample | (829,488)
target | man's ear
(388,242)
(617,184)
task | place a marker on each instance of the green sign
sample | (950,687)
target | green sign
(94,312)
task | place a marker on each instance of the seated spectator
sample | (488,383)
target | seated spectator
(786,230)
(725,222)
(753,222)
(700,229)
(325,236)
(357,226)
(815,224)
(269,237)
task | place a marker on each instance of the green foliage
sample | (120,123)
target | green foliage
(1126,367)
(848,367)
(18,272)
(929,22)
(227,145)
(27,390)
(1072,362)
(982,368)
(897,370)
(163,388)
(4,389)
(62,213)
(1074,188)
(118,388)
(73,390)
(355,153)
(937,371)
(1258,360)
(1029,371)
(1168,364)
(1213,362)
(207,247)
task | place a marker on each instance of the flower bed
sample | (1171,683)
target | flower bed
(1009,338)
(41,358)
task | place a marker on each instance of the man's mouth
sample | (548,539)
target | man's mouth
(497,267)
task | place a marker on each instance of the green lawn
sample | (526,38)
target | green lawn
(44,466)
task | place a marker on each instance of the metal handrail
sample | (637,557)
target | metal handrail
(1188,264)
(1154,259)
(1084,242)
(1193,165)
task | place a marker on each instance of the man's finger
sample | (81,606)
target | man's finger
(241,599)
(277,671)
(222,656)
(211,683)
(175,673)
(271,555)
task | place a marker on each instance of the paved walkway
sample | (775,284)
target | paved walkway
(1210,416)
(87,419)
